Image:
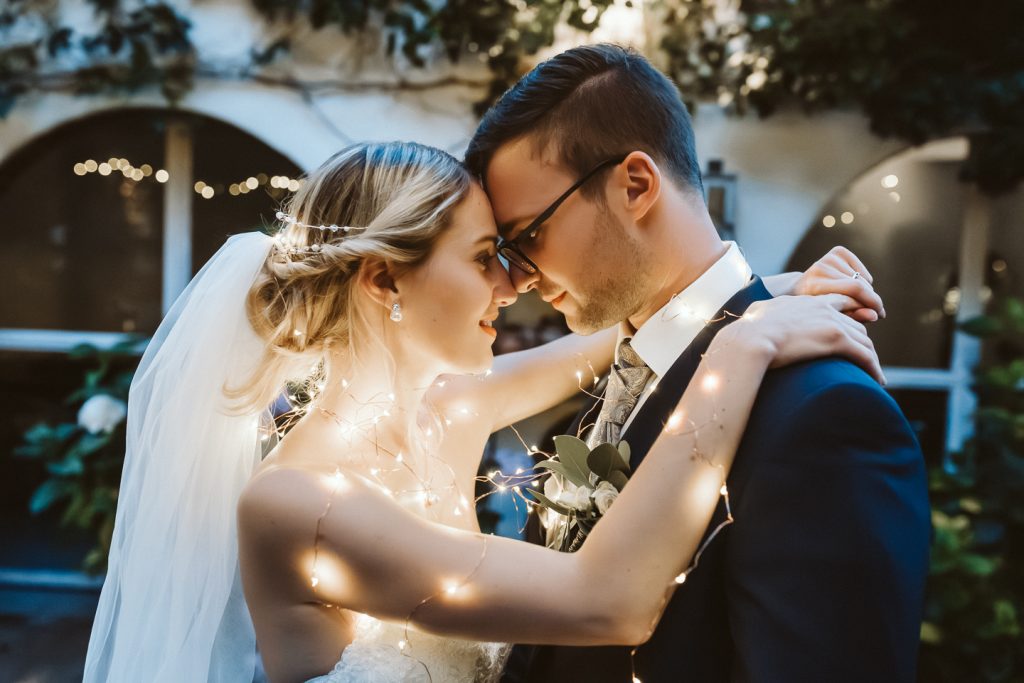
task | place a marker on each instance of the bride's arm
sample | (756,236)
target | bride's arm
(377,558)
(527,382)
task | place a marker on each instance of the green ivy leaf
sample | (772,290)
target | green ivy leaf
(978,565)
(48,493)
(930,633)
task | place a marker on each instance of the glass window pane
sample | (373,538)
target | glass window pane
(225,156)
(83,248)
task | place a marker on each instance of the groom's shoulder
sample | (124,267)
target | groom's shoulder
(824,387)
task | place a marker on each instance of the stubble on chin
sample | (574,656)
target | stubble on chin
(615,286)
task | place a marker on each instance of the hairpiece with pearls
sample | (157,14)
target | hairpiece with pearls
(292,248)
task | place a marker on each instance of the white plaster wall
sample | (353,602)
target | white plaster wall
(788,166)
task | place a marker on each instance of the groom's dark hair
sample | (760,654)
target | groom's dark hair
(592,103)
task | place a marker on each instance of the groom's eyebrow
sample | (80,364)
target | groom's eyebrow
(509,226)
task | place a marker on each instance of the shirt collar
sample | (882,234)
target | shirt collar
(661,339)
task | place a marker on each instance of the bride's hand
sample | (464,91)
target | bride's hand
(791,329)
(841,272)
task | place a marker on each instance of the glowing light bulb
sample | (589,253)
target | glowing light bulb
(519,470)
(401,645)
(338,476)
(681,578)
(458,512)
(579,376)
(710,382)
(399,458)
(440,384)
(488,373)
(492,475)
(724,490)
(451,588)
(890,181)
(675,421)
(314,580)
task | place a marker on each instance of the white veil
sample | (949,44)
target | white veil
(171,609)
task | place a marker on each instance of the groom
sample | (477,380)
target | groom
(591,167)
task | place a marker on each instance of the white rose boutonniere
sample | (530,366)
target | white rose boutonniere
(581,487)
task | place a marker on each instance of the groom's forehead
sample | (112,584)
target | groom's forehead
(522,180)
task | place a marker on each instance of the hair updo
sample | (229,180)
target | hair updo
(398,197)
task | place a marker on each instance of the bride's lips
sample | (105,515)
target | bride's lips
(488,329)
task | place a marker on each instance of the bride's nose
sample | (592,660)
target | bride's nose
(504,293)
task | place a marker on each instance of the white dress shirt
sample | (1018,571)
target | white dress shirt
(667,333)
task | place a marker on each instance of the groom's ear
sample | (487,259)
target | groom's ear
(641,180)
(376,279)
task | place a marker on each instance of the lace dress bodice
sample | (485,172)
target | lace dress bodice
(375,655)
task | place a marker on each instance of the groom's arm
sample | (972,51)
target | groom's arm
(829,553)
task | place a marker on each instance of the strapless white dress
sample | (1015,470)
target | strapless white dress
(374,656)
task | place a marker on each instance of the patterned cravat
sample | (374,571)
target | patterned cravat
(626,382)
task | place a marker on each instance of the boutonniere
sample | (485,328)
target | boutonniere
(581,487)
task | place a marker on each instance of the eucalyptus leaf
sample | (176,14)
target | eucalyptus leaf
(560,468)
(573,452)
(618,480)
(603,459)
(548,503)
(626,453)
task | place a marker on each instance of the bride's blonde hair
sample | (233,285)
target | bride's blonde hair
(399,197)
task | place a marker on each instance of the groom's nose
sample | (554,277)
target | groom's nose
(523,281)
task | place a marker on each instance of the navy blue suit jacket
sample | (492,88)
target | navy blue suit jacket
(821,577)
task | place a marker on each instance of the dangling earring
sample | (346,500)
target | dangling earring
(396,312)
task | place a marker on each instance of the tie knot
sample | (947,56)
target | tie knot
(627,357)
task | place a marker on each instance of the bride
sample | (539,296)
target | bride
(351,551)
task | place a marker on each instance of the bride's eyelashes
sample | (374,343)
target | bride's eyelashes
(485,258)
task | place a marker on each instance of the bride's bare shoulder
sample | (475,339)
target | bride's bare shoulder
(282,502)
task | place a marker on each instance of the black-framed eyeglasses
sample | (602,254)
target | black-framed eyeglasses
(512,250)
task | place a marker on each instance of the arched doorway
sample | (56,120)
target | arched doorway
(107,218)
(937,247)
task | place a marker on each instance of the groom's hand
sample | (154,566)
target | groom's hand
(841,272)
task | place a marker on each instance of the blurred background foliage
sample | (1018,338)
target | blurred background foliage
(974,614)
(918,70)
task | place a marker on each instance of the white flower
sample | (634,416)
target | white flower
(553,488)
(101,413)
(605,494)
(576,498)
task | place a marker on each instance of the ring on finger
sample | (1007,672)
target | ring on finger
(856,275)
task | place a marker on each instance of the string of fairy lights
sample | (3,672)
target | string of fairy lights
(435,492)
(276,184)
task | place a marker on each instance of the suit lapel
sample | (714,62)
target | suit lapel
(648,423)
